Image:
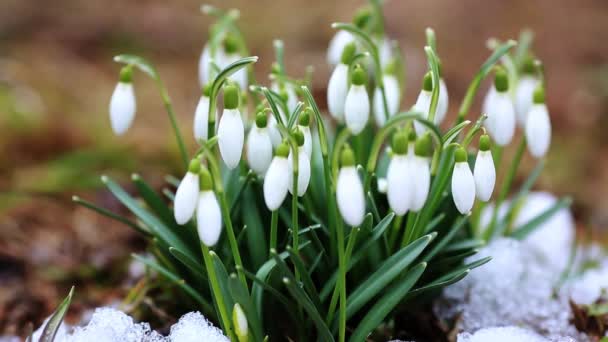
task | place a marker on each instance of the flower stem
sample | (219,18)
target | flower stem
(217,293)
(342,279)
(274,221)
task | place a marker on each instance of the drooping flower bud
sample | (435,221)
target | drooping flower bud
(239,320)
(356,107)
(208,213)
(336,45)
(230,131)
(393,93)
(277,178)
(421,171)
(304,126)
(349,190)
(399,177)
(259,145)
(201,115)
(484,171)
(538,125)
(524,93)
(498,106)
(463,183)
(337,88)
(122,102)
(444,99)
(303,166)
(186,196)
(423,102)
(204,64)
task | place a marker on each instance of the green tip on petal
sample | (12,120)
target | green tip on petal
(348,53)
(460,155)
(347,157)
(275,68)
(304,119)
(358,77)
(299,136)
(205,181)
(207,89)
(528,67)
(539,94)
(195,166)
(427,82)
(282,150)
(501,79)
(261,120)
(484,143)
(231,45)
(399,143)
(362,17)
(126,74)
(411,137)
(231,97)
(424,145)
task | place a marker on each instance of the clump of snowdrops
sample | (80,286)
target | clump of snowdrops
(288,223)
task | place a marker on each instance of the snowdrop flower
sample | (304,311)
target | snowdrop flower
(304,127)
(208,213)
(420,171)
(186,195)
(398,177)
(423,102)
(538,125)
(230,131)
(303,166)
(498,105)
(524,92)
(122,102)
(276,180)
(207,57)
(201,115)
(259,145)
(231,47)
(343,38)
(337,87)
(444,99)
(349,190)
(384,51)
(239,320)
(356,107)
(484,171)
(393,94)
(463,183)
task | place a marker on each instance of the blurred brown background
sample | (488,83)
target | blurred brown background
(57,74)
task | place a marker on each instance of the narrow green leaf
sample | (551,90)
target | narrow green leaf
(192,264)
(107,213)
(454,132)
(241,296)
(463,244)
(51,327)
(385,274)
(387,303)
(256,234)
(523,231)
(309,286)
(446,238)
(158,206)
(437,284)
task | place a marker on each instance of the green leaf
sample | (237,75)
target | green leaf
(51,327)
(222,278)
(309,286)
(110,214)
(454,132)
(140,63)
(523,231)
(387,303)
(192,264)
(446,238)
(155,202)
(241,296)
(229,70)
(463,245)
(385,274)
(438,284)
(256,234)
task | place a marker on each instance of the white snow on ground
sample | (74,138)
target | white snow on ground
(588,288)
(501,334)
(110,325)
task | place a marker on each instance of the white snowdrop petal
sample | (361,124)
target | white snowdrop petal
(421,181)
(524,94)
(501,112)
(443,102)
(259,150)
(186,198)
(391,88)
(336,46)
(273,131)
(208,218)
(422,105)
(463,187)
(486,108)
(337,89)
(204,65)
(382,185)
(303,172)
(307,140)
(385,52)
(201,118)
(356,108)
(538,130)
(122,107)
(230,137)
(485,175)
(399,184)
(276,183)
(349,195)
